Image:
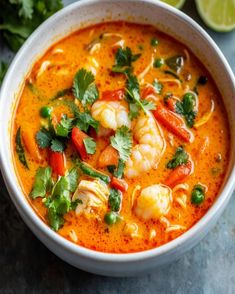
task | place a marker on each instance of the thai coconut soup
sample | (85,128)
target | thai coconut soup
(120,138)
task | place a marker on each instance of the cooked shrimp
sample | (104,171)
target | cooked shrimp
(150,146)
(154,202)
(111,114)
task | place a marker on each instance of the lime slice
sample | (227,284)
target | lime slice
(176,3)
(219,15)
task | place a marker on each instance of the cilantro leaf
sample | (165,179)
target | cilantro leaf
(3,70)
(57,145)
(180,157)
(157,86)
(84,120)
(84,88)
(186,108)
(20,149)
(115,200)
(64,127)
(123,60)
(90,145)
(43,138)
(42,182)
(73,179)
(136,104)
(122,142)
(55,220)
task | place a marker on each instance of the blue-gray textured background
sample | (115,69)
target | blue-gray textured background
(27,266)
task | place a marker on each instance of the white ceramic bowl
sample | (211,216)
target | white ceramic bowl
(71,18)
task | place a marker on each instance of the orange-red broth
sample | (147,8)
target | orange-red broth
(92,233)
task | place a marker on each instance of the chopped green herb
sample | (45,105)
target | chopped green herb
(157,86)
(175,63)
(115,200)
(73,179)
(43,138)
(84,120)
(64,127)
(90,145)
(84,87)
(42,182)
(74,204)
(3,70)
(198,194)
(136,104)
(122,142)
(123,60)
(180,157)
(57,145)
(187,108)
(20,149)
(154,42)
(158,62)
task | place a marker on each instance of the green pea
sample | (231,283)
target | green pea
(158,62)
(154,42)
(110,218)
(198,194)
(45,111)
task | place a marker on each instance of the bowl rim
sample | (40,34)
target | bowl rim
(24,206)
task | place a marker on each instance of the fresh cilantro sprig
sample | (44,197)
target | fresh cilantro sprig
(46,138)
(90,145)
(186,108)
(57,196)
(64,127)
(84,87)
(83,120)
(136,104)
(180,157)
(122,142)
(123,60)
(42,183)
(115,200)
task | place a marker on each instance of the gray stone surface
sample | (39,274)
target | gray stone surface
(26,266)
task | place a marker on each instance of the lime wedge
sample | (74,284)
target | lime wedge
(176,3)
(219,15)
